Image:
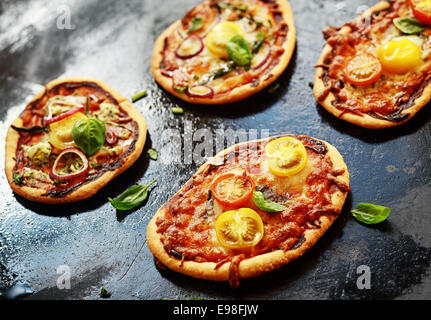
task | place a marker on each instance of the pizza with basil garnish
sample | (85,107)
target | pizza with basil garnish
(252,208)
(71,140)
(224,51)
(375,71)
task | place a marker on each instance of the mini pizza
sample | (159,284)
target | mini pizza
(252,208)
(223,51)
(375,70)
(71,140)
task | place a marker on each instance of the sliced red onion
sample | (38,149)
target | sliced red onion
(61,177)
(217,19)
(190,47)
(262,56)
(167,73)
(200,92)
(64,115)
(111,137)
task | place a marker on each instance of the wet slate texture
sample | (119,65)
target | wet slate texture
(112,41)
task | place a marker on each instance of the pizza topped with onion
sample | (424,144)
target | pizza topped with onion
(375,71)
(254,207)
(71,140)
(225,50)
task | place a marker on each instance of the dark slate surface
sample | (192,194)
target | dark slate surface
(112,40)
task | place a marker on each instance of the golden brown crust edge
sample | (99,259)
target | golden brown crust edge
(258,265)
(238,93)
(365,120)
(89,189)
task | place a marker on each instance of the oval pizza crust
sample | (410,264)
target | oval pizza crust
(87,189)
(260,264)
(238,93)
(363,120)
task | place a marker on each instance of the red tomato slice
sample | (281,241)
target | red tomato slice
(233,190)
(422,10)
(363,70)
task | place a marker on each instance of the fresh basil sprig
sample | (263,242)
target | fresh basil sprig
(132,197)
(266,204)
(239,51)
(408,25)
(369,213)
(197,23)
(89,135)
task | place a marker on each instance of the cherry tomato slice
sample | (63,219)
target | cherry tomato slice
(421,10)
(286,156)
(363,70)
(231,189)
(240,228)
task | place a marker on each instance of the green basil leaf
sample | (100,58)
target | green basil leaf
(131,198)
(265,204)
(370,213)
(153,154)
(239,51)
(89,135)
(35,129)
(197,23)
(408,25)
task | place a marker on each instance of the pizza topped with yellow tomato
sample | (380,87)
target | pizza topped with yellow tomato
(252,208)
(375,70)
(225,50)
(71,140)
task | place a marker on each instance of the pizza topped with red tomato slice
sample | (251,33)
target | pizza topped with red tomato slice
(254,207)
(223,51)
(71,140)
(375,71)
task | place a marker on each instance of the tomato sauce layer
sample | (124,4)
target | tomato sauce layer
(187,226)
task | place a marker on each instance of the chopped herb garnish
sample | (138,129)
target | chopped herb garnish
(17,178)
(256,45)
(139,95)
(153,154)
(177,110)
(180,89)
(260,35)
(274,88)
(95,165)
(197,24)
(104,293)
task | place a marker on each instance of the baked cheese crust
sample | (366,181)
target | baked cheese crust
(394,98)
(30,155)
(267,26)
(181,234)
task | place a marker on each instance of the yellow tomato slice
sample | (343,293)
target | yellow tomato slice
(60,132)
(286,156)
(240,228)
(218,37)
(400,56)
